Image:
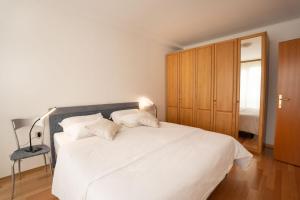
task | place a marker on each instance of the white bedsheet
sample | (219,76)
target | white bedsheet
(61,139)
(171,162)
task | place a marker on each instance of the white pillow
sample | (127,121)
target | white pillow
(148,119)
(130,120)
(117,115)
(78,130)
(79,119)
(103,128)
(139,118)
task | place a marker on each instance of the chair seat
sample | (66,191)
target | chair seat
(22,153)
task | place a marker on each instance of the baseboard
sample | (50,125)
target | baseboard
(269,146)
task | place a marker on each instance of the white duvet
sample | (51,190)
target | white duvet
(143,163)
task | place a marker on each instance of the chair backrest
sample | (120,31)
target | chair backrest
(21,123)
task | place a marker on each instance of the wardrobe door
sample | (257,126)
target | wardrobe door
(172,87)
(225,87)
(204,88)
(186,88)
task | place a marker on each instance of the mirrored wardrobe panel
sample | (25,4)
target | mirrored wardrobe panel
(252,89)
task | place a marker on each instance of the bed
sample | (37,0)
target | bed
(249,120)
(169,162)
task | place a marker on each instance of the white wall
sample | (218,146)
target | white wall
(49,58)
(276,33)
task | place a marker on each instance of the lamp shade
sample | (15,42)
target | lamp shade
(145,103)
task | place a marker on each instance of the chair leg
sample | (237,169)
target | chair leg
(50,162)
(13,179)
(45,161)
(19,168)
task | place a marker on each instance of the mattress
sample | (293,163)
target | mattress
(249,120)
(171,162)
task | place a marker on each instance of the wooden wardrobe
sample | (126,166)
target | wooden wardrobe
(203,86)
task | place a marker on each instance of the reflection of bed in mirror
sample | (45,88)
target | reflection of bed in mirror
(249,120)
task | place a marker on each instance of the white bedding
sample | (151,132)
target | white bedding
(171,162)
(249,120)
(61,139)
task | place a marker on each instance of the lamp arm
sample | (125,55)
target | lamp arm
(30,147)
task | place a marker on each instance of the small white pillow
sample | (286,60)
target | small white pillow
(139,118)
(148,119)
(104,128)
(79,119)
(78,131)
(117,115)
(130,120)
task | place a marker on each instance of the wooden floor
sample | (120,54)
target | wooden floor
(249,143)
(34,185)
(265,179)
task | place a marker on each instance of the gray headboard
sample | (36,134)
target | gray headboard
(65,112)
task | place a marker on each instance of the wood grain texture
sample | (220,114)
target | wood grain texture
(172,114)
(223,122)
(265,179)
(287,138)
(263,93)
(224,65)
(187,78)
(187,86)
(172,61)
(172,79)
(225,78)
(34,185)
(204,87)
(186,117)
(203,119)
(213,91)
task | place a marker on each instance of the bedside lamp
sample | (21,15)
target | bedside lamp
(147,104)
(31,148)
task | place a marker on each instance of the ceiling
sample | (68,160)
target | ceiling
(184,22)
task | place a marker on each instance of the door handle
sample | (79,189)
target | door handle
(280,99)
